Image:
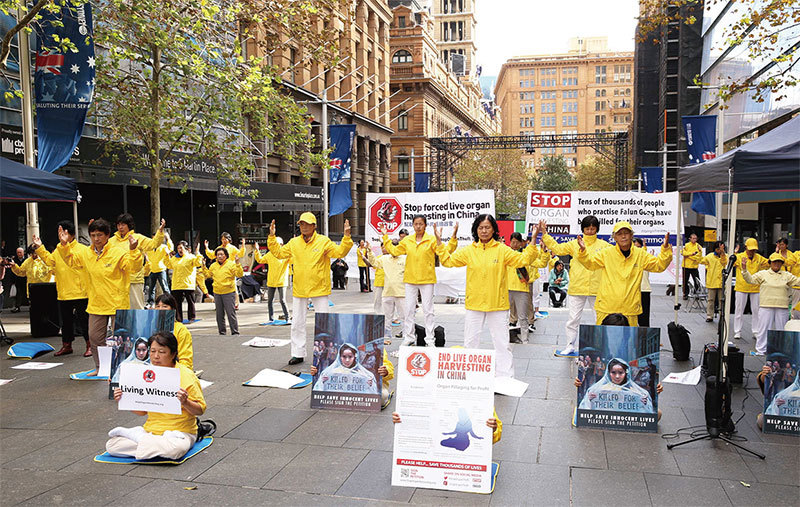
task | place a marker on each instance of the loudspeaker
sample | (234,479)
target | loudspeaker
(718,406)
(45,315)
(710,363)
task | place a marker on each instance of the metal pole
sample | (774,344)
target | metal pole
(664,170)
(31,208)
(75,218)
(720,151)
(325,169)
(733,204)
(678,243)
(412,171)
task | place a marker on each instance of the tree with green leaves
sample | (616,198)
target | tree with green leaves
(595,173)
(553,175)
(500,170)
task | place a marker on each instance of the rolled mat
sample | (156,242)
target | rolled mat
(84,375)
(196,448)
(276,322)
(28,350)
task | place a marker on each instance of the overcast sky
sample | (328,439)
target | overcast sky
(509,28)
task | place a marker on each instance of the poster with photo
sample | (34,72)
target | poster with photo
(444,398)
(132,330)
(782,383)
(618,370)
(348,350)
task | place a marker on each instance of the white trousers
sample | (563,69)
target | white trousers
(519,300)
(498,328)
(795,300)
(577,304)
(769,318)
(536,294)
(136,296)
(426,292)
(390,307)
(171,445)
(299,312)
(741,302)
(378,301)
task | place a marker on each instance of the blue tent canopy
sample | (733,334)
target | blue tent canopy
(19,182)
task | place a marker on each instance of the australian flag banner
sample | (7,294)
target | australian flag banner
(701,144)
(340,199)
(64,83)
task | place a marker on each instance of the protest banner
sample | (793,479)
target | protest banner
(444,398)
(782,383)
(618,371)
(149,388)
(348,350)
(132,330)
(650,215)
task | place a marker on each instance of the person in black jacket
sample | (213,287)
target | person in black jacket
(339,268)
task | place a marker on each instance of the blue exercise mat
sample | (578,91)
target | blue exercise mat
(196,448)
(187,321)
(305,379)
(28,350)
(388,400)
(276,322)
(495,468)
(310,306)
(84,375)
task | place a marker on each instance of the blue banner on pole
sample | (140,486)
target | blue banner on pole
(64,83)
(701,144)
(422,182)
(340,199)
(651,179)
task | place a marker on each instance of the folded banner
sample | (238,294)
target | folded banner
(701,145)
(340,199)
(64,82)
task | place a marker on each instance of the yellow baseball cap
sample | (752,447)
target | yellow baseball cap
(622,225)
(308,218)
(776,257)
(751,244)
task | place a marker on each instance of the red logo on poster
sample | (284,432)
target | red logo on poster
(386,210)
(418,364)
(550,200)
(149,376)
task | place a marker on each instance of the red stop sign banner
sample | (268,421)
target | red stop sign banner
(387,211)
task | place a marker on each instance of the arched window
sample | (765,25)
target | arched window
(402,56)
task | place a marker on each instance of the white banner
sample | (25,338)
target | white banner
(444,398)
(149,388)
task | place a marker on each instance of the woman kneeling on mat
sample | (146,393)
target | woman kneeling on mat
(163,435)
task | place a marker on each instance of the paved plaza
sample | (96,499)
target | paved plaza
(271,448)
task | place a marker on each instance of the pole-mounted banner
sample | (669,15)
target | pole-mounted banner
(342,142)
(701,144)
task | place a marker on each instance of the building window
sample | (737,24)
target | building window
(401,21)
(600,74)
(402,169)
(402,120)
(549,107)
(600,105)
(599,119)
(402,56)
(622,73)
(548,121)
(569,70)
(547,95)
(548,72)
(569,81)
(570,162)
(569,121)
(569,107)
(568,94)
(549,82)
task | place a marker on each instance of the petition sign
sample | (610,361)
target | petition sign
(149,388)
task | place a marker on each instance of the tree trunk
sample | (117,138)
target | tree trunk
(154,154)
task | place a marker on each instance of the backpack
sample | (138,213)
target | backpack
(679,339)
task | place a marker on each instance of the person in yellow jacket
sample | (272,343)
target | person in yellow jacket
(224,272)
(583,283)
(773,285)
(621,268)
(493,422)
(744,290)
(33,268)
(185,267)
(520,281)
(71,287)
(226,243)
(158,270)
(125,230)
(378,283)
(487,261)
(393,289)
(167,301)
(692,253)
(792,265)
(277,278)
(362,259)
(420,273)
(714,262)
(108,270)
(201,277)
(386,371)
(310,254)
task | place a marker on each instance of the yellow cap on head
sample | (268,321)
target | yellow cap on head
(308,218)
(776,257)
(622,225)
(751,244)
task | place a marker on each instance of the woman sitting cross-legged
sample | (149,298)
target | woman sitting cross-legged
(163,435)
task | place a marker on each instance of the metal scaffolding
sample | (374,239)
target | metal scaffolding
(445,152)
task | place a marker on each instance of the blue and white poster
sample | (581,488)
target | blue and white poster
(701,144)
(340,199)
(64,82)
(782,383)
(132,330)
(348,350)
(618,374)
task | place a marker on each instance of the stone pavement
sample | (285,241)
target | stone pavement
(271,448)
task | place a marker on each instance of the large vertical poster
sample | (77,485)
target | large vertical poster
(618,370)
(132,330)
(444,398)
(782,383)
(348,350)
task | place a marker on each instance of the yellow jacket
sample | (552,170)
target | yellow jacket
(795,269)
(420,257)
(389,369)
(714,266)
(224,275)
(392,270)
(514,283)
(35,270)
(773,287)
(487,271)
(157,423)
(107,274)
(621,277)
(360,253)
(754,265)
(582,282)
(498,433)
(278,269)
(690,258)
(312,262)
(233,252)
(156,260)
(184,270)
(185,349)
(145,245)
(70,282)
